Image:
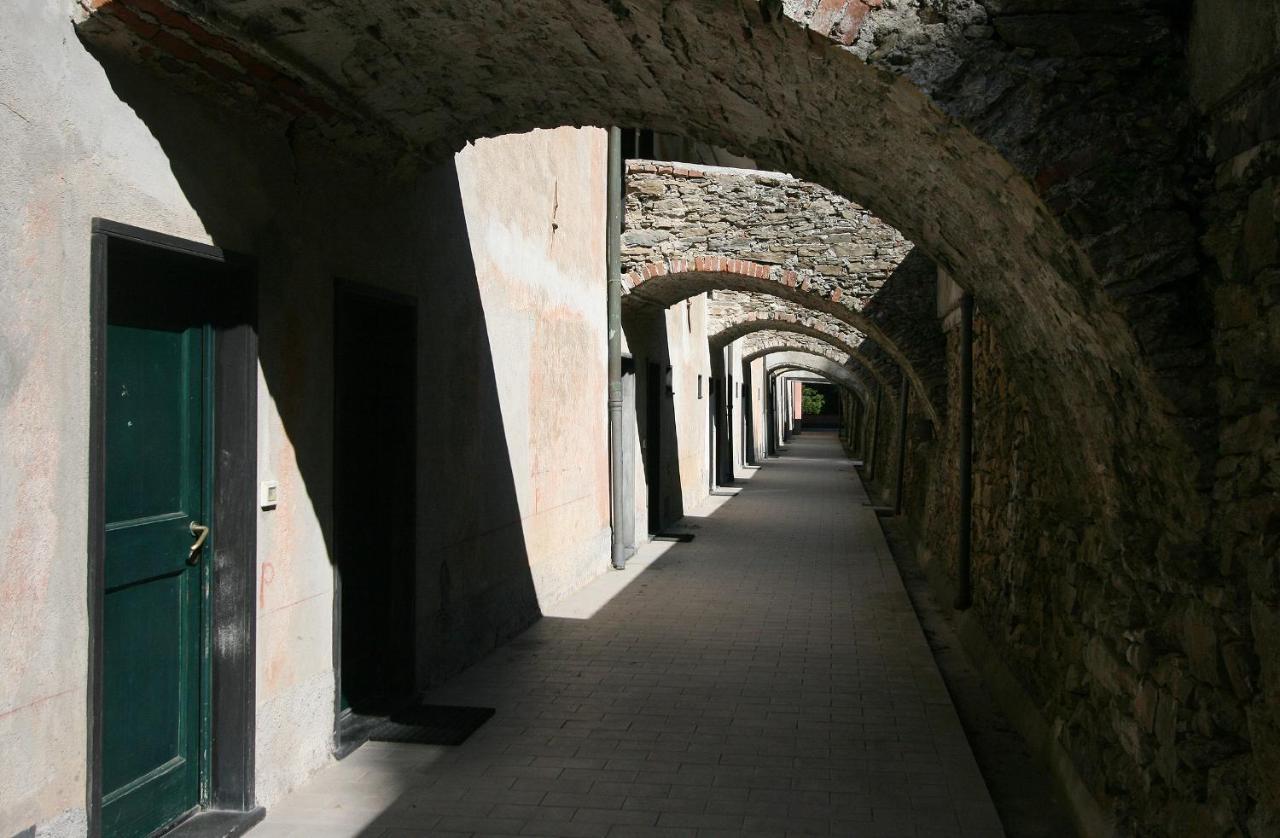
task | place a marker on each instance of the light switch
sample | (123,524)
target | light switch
(268,494)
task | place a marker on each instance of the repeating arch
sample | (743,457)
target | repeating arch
(853,356)
(664,284)
(818,365)
(737,75)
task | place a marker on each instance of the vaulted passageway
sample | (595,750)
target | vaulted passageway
(770,676)
(1048,229)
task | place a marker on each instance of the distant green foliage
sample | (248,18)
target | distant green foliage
(812,401)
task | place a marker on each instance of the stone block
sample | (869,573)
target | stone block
(1200,641)
(652,187)
(1265,622)
(1262,227)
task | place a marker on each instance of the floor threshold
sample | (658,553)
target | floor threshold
(217,823)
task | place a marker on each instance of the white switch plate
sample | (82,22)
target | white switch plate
(268,494)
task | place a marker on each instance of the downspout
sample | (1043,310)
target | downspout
(613,260)
(855,428)
(874,447)
(964,589)
(903,399)
(768,414)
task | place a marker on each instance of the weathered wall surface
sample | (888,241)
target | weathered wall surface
(533,206)
(1153,686)
(517,285)
(682,211)
(1234,623)
(55,174)
(691,375)
(674,337)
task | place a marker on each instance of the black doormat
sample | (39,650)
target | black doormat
(681,537)
(431,724)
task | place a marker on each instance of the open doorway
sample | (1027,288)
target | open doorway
(374,503)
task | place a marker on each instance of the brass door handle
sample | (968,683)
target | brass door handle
(201,533)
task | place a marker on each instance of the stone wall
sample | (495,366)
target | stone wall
(1235,620)
(1151,685)
(805,236)
(682,211)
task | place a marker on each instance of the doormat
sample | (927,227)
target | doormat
(682,537)
(431,724)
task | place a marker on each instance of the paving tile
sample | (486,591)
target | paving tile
(768,678)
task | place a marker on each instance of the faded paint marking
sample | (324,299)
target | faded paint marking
(30,704)
(266,576)
(295,602)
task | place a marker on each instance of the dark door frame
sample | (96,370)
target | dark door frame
(344,742)
(227,790)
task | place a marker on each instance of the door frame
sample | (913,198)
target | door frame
(227,784)
(343,746)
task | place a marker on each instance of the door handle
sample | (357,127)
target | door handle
(201,533)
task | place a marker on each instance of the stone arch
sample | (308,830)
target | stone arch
(749,325)
(818,365)
(737,75)
(664,284)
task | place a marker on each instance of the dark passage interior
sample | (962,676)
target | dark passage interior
(821,405)
(375,436)
(653,444)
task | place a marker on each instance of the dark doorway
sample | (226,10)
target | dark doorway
(374,503)
(653,444)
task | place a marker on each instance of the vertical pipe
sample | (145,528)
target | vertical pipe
(769,416)
(874,447)
(613,259)
(903,398)
(855,429)
(964,589)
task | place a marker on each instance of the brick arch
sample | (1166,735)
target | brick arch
(668,282)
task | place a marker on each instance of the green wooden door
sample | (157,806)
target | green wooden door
(157,423)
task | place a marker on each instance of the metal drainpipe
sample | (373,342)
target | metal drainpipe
(613,258)
(855,432)
(875,434)
(903,399)
(964,590)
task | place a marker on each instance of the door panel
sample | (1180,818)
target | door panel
(156,423)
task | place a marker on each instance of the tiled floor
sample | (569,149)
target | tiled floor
(768,678)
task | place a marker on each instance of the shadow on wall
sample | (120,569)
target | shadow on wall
(308,220)
(646,333)
(908,302)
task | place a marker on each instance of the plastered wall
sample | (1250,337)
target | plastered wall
(503,249)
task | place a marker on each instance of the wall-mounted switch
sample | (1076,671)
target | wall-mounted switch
(268,494)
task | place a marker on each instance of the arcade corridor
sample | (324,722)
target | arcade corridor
(768,677)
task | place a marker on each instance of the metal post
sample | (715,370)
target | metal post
(964,590)
(613,258)
(875,434)
(903,399)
